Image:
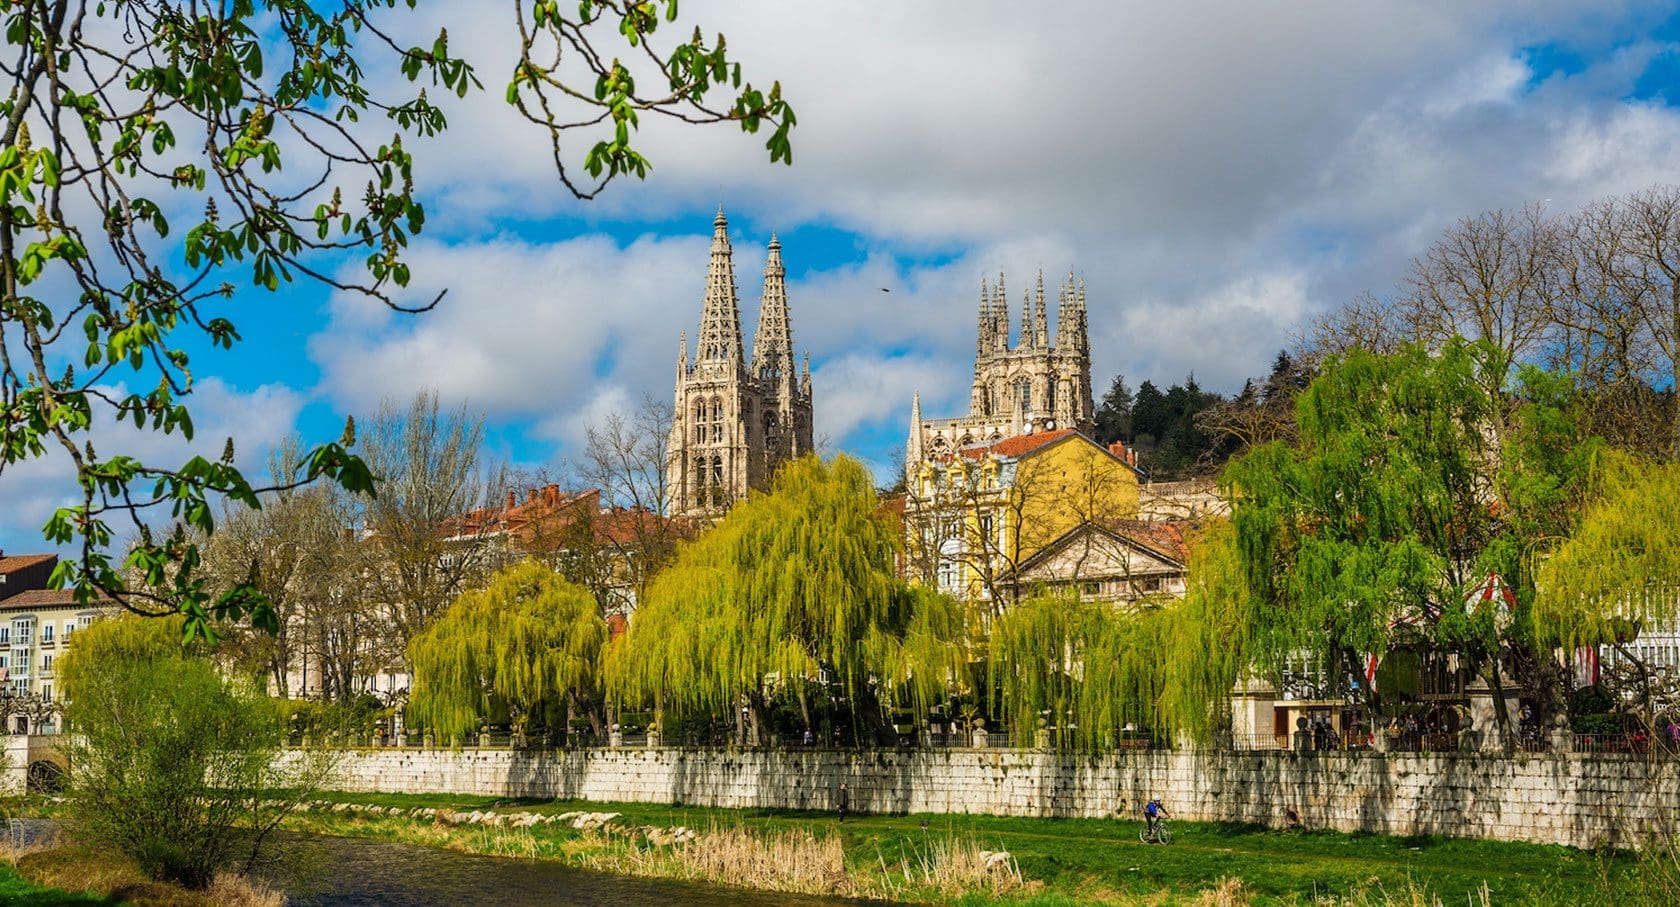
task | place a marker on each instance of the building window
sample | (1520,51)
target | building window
(1303,677)
(69,628)
(46,634)
(5,634)
(1023,396)
(23,631)
(46,692)
(948,577)
(46,664)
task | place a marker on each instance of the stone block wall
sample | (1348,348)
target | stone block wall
(1581,800)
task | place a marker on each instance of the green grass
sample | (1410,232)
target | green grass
(16,890)
(1086,860)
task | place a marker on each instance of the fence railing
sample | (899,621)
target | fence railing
(1451,742)
(1300,742)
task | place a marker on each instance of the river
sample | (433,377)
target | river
(320,871)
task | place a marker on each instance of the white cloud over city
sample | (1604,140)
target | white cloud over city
(1169,153)
(1216,171)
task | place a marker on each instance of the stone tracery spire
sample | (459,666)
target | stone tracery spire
(772,360)
(984,341)
(1026,339)
(720,319)
(1065,315)
(1041,324)
(1081,335)
(913,448)
(1000,316)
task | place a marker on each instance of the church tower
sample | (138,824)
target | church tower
(1022,384)
(735,420)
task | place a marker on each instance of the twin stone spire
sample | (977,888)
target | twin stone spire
(735,421)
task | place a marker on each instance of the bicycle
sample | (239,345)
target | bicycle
(1162,835)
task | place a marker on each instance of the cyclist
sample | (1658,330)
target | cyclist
(1153,814)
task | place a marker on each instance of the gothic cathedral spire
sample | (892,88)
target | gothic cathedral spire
(720,317)
(732,426)
(772,360)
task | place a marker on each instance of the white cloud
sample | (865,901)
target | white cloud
(1216,171)
(861,389)
(526,331)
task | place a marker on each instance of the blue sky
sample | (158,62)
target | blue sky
(1216,171)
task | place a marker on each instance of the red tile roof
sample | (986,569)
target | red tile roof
(1019,445)
(18,562)
(39,598)
(547,514)
(1166,538)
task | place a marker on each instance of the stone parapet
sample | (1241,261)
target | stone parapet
(1574,799)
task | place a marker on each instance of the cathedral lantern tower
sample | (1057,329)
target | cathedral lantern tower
(735,420)
(1023,384)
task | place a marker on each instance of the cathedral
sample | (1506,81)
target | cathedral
(736,420)
(1029,386)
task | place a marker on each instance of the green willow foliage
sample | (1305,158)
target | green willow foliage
(793,587)
(1091,673)
(1205,640)
(528,641)
(1618,571)
(1417,475)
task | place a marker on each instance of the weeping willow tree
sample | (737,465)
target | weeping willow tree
(1205,639)
(1618,573)
(792,597)
(1084,672)
(528,644)
(1416,478)
(1093,674)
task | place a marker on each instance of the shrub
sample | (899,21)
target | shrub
(172,764)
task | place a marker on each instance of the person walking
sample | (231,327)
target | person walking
(842,801)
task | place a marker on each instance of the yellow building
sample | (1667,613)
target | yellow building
(974,517)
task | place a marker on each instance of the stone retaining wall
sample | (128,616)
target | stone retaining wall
(1581,800)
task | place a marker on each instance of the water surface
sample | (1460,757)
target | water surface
(320,871)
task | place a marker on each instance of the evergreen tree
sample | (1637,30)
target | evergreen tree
(1114,413)
(1149,412)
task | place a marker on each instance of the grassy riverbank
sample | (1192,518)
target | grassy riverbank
(1050,861)
(68,876)
(17,890)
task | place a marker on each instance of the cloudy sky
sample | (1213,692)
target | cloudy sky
(1216,172)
